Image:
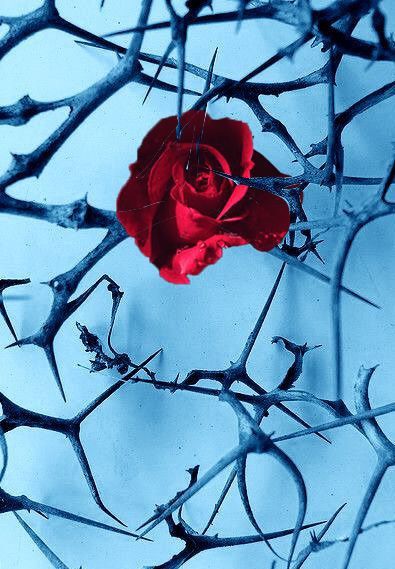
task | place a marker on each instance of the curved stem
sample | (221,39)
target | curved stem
(336,285)
(373,486)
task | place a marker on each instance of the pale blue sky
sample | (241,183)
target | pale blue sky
(141,441)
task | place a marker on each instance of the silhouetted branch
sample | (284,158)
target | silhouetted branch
(332,27)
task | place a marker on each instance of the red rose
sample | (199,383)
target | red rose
(181,214)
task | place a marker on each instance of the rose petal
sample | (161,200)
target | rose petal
(135,209)
(233,139)
(154,143)
(263,168)
(266,222)
(211,199)
(238,194)
(209,205)
(154,205)
(172,276)
(192,260)
(186,228)
(136,213)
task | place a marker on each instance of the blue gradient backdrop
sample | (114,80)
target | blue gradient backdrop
(141,441)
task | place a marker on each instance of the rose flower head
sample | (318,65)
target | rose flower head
(181,213)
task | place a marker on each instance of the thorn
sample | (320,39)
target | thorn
(162,62)
(175,383)
(140,366)
(49,352)
(4,284)
(18,343)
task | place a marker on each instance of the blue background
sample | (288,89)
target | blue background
(141,441)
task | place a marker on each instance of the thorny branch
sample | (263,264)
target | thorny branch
(332,27)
